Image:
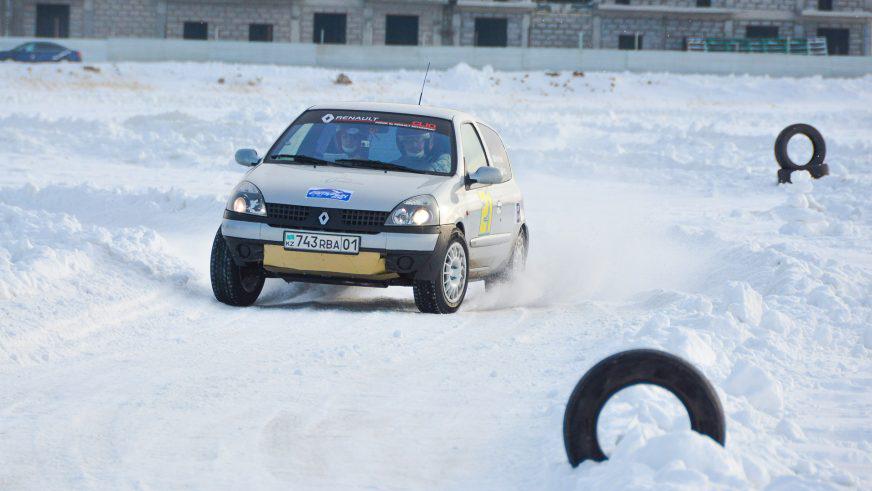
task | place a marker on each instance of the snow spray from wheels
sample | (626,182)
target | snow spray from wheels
(815,166)
(622,370)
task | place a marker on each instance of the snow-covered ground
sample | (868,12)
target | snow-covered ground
(655,222)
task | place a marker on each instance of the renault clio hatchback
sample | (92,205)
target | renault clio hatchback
(374,194)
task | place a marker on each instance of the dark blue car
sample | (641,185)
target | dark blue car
(37,52)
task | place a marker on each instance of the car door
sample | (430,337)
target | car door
(26,53)
(40,53)
(486,239)
(47,52)
(507,195)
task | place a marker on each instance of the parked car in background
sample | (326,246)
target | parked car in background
(40,52)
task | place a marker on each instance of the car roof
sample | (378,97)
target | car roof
(387,107)
(41,44)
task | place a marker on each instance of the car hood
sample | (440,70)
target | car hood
(335,187)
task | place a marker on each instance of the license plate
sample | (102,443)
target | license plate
(304,241)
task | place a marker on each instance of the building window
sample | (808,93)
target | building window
(52,21)
(622,2)
(761,32)
(196,30)
(401,30)
(838,40)
(260,32)
(491,31)
(329,29)
(825,4)
(703,3)
(630,41)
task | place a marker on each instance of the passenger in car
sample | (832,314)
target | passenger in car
(417,151)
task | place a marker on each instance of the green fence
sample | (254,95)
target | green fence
(793,46)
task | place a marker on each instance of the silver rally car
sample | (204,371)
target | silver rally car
(374,194)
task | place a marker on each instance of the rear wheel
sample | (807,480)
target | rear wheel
(445,294)
(515,266)
(234,285)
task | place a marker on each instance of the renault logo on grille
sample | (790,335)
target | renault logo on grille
(323,218)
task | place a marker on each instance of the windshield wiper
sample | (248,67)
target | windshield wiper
(378,164)
(306,159)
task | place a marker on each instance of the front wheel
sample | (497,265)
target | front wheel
(445,294)
(234,285)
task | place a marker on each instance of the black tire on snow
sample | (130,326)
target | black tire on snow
(232,284)
(430,295)
(819,147)
(633,367)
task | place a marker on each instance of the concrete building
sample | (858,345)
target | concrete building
(615,24)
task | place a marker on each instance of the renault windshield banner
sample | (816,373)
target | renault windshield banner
(376,118)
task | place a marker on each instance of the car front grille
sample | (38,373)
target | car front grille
(362,218)
(291,213)
(307,217)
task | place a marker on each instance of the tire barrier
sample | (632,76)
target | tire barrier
(815,166)
(622,370)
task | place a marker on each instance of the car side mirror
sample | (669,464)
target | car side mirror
(486,175)
(247,157)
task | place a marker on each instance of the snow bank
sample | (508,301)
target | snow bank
(29,267)
(45,247)
(680,460)
(50,251)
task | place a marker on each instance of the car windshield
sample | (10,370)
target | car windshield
(388,141)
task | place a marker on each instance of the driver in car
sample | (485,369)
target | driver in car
(351,143)
(417,152)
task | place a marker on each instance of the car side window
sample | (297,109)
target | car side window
(499,156)
(473,151)
(26,48)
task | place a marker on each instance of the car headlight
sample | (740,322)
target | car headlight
(246,198)
(420,210)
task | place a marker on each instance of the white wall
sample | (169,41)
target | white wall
(395,57)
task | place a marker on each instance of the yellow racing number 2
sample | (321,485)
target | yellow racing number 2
(487,212)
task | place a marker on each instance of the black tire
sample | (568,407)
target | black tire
(633,367)
(233,285)
(819,147)
(514,265)
(430,296)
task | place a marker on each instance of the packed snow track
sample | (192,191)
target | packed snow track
(655,223)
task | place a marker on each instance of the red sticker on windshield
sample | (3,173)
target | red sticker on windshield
(426,126)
